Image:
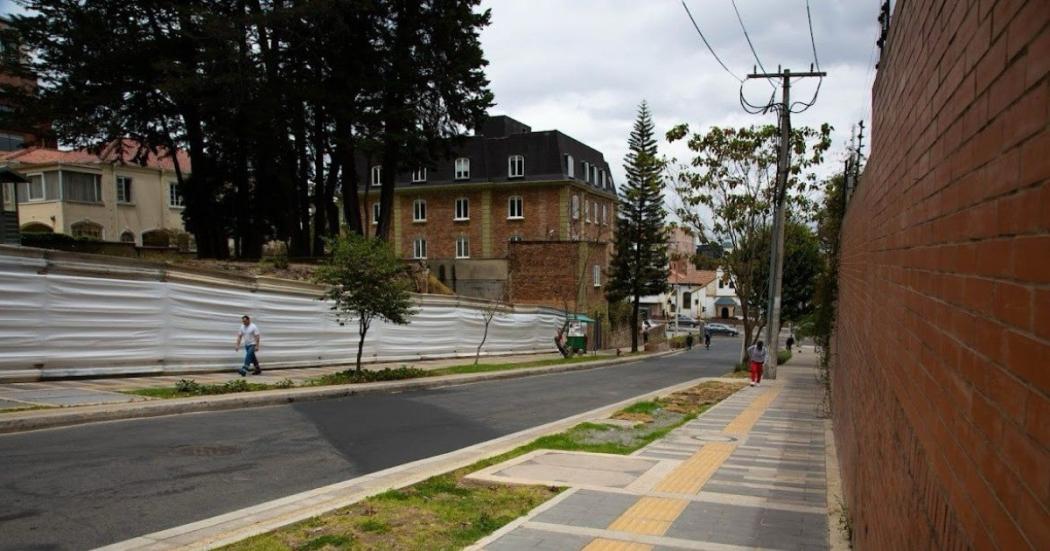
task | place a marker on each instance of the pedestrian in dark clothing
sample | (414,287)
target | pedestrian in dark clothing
(790,343)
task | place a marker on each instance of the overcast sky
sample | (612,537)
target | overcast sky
(583,66)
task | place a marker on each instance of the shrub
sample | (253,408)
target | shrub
(353,376)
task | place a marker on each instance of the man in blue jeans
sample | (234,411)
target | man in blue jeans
(249,334)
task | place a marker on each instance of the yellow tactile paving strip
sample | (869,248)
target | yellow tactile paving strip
(747,418)
(653,516)
(649,515)
(602,544)
(694,472)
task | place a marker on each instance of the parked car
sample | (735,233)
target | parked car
(685,321)
(722,329)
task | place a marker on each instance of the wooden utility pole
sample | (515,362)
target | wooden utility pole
(776,255)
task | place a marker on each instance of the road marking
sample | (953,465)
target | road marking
(602,544)
(747,418)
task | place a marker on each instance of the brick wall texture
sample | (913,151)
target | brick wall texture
(941,367)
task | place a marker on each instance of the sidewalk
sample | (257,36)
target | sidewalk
(83,392)
(749,473)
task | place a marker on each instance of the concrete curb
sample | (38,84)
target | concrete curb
(265,517)
(63,417)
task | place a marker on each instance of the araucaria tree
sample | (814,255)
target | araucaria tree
(727,198)
(639,262)
(365,282)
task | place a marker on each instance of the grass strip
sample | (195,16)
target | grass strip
(448,512)
(189,387)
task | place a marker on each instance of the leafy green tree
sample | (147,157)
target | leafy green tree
(365,282)
(639,262)
(726,193)
(803,265)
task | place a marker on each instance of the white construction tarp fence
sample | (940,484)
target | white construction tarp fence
(64,314)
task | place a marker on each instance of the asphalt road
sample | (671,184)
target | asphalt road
(86,486)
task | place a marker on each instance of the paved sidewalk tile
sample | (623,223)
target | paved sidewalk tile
(750,473)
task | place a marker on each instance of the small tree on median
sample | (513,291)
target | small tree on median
(365,282)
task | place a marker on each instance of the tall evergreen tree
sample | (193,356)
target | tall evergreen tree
(639,264)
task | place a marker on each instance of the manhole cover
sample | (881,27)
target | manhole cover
(708,437)
(206,451)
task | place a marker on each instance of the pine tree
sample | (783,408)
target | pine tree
(639,264)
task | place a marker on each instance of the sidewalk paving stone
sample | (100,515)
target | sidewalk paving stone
(766,487)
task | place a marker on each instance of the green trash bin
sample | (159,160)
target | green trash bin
(578,343)
(577,337)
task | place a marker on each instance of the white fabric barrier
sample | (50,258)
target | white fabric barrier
(64,324)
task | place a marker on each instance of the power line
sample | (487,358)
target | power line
(749,44)
(816,61)
(706,43)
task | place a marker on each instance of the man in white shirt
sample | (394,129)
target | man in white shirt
(757,355)
(249,334)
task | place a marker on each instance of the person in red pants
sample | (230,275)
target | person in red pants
(757,355)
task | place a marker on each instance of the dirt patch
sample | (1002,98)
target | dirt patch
(691,400)
(633,417)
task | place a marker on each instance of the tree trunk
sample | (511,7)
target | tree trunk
(351,203)
(484,336)
(362,329)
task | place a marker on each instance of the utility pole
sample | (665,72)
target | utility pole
(776,256)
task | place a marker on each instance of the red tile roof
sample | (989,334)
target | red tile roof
(690,276)
(125,152)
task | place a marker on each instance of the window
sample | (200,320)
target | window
(419,248)
(594,175)
(462,247)
(731,284)
(587,211)
(419,210)
(40,187)
(462,209)
(10,142)
(575,207)
(377,176)
(722,284)
(81,186)
(175,199)
(127,237)
(375,213)
(570,168)
(586,169)
(87,229)
(514,208)
(597,275)
(124,191)
(687,299)
(419,175)
(8,191)
(601,178)
(605,214)
(515,238)
(515,166)
(462,168)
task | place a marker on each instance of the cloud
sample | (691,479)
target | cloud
(583,67)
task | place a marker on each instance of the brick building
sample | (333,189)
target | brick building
(13,137)
(505,184)
(940,376)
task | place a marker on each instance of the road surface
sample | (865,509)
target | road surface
(91,485)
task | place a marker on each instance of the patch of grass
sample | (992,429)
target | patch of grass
(485,367)
(783,357)
(27,407)
(642,407)
(352,376)
(446,512)
(189,387)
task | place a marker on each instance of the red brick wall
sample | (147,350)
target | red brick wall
(941,373)
(541,216)
(544,273)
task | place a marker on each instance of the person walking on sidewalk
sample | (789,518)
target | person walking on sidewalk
(249,335)
(757,356)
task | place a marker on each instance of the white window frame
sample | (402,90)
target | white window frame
(516,166)
(29,188)
(597,272)
(101,229)
(586,210)
(601,178)
(124,183)
(377,176)
(605,214)
(570,167)
(575,207)
(419,248)
(376,207)
(461,213)
(462,247)
(419,175)
(586,171)
(419,207)
(593,175)
(175,199)
(462,168)
(515,213)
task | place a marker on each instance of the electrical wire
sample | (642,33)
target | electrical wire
(816,61)
(749,44)
(706,43)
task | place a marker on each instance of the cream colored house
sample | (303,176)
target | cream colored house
(103,196)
